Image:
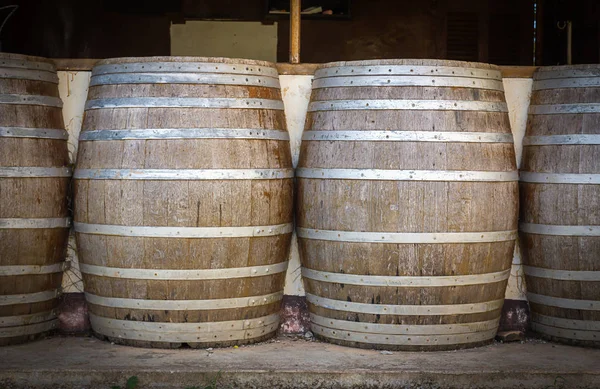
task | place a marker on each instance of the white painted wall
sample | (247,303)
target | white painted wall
(251,40)
(296,94)
(73,89)
(295,91)
(518,95)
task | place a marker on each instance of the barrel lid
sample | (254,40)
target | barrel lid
(234,61)
(415,62)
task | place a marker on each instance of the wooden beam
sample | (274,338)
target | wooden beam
(295,20)
(86,65)
(75,64)
(306,69)
(518,71)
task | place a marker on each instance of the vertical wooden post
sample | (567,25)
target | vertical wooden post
(295,31)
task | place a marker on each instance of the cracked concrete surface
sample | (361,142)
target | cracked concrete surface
(88,363)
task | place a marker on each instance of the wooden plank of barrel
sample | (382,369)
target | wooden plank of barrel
(34,180)
(183,190)
(407,195)
(560,197)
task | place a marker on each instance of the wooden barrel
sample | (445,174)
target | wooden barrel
(34,180)
(183,191)
(407,193)
(560,197)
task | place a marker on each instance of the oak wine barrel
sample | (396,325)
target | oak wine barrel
(183,192)
(407,197)
(34,180)
(560,204)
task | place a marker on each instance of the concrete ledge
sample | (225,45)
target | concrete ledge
(92,364)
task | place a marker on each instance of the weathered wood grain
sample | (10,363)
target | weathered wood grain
(184,203)
(30,198)
(397,206)
(563,205)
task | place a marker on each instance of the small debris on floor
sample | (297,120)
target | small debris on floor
(510,336)
(384,352)
(308,335)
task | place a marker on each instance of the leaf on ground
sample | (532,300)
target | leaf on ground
(131,383)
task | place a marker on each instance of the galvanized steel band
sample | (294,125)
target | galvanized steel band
(185,332)
(413,105)
(184,305)
(408,136)
(550,229)
(588,305)
(565,333)
(542,74)
(408,310)
(571,139)
(31,65)
(13,321)
(28,329)
(394,80)
(406,237)
(184,78)
(558,109)
(402,329)
(46,101)
(407,175)
(403,340)
(185,67)
(560,178)
(405,281)
(184,232)
(35,172)
(187,274)
(184,133)
(572,324)
(563,275)
(21,270)
(37,133)
(28,74)
(23,223)
(183,102)
(183,174)
(574,82)
(408,70)
(28,298)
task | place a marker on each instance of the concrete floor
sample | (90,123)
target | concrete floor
(82,363)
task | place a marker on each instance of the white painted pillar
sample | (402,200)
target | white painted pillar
(295,91)
(518,95)
(73,89)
